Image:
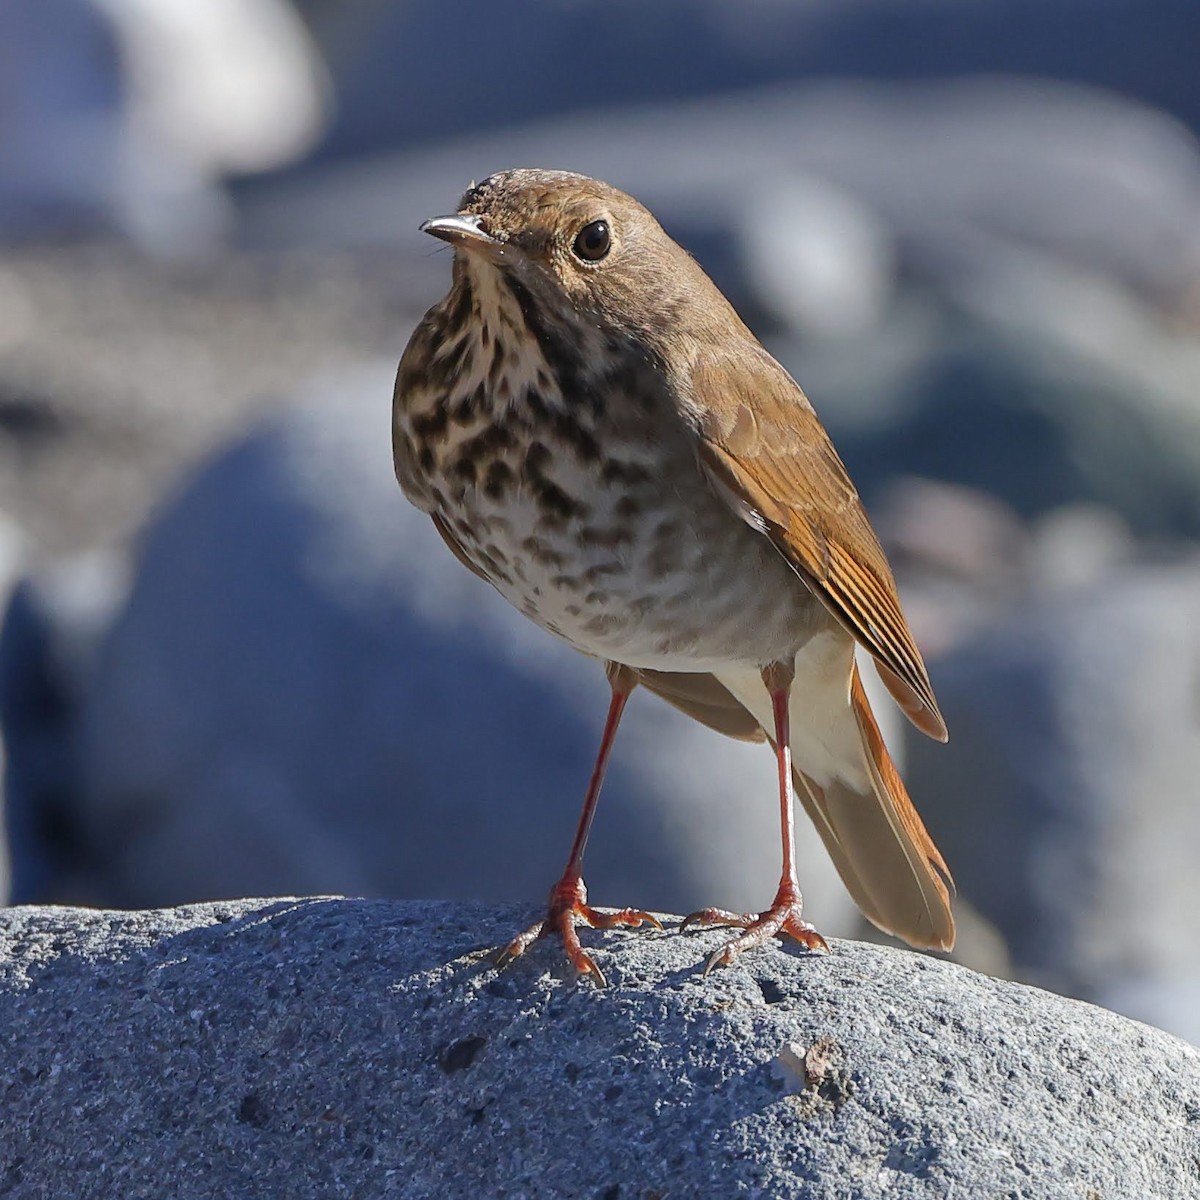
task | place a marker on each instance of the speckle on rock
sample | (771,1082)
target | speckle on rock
(461,1054)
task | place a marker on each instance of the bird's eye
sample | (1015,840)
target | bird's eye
(593,241)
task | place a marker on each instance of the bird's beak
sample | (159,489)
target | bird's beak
(460,231)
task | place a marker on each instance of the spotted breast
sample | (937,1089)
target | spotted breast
(542,453)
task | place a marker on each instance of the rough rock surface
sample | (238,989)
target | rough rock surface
(329,1047)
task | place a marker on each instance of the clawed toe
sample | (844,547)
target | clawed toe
(705,917)
(569,907)
(519,944)
(781,920)
(630,917)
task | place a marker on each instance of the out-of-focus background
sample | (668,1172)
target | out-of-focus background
(234,662)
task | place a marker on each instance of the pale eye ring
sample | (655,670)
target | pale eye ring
(593,241)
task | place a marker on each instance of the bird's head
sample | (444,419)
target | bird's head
(568,238)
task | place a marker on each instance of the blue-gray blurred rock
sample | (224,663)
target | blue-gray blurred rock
(62,143)
(12,553)
(52,628)
(404,77)
(975,184)
(307,692)
(122,116)
(1066,798)
(325,1048)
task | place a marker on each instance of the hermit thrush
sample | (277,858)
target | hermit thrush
(595,432)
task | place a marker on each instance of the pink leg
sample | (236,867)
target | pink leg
(783,918)
(568,897)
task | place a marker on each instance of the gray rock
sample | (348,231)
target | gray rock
(324,1047)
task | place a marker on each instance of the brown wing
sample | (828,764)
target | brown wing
(706,700)
(767,451)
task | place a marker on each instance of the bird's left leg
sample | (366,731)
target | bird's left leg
(783,918)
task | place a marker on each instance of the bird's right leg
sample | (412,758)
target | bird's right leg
(568,897)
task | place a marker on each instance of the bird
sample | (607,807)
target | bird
(595,432)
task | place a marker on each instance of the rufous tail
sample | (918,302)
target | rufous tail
(879,843)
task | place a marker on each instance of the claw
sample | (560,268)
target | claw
(589,967)
(519,944)
(568,906)
(781,920)
(632,917)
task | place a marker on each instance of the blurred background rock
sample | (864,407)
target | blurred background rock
(234,662)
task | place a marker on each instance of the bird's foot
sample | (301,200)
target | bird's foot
(568,906)
(781,920)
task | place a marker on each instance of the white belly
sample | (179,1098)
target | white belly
(691,588)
